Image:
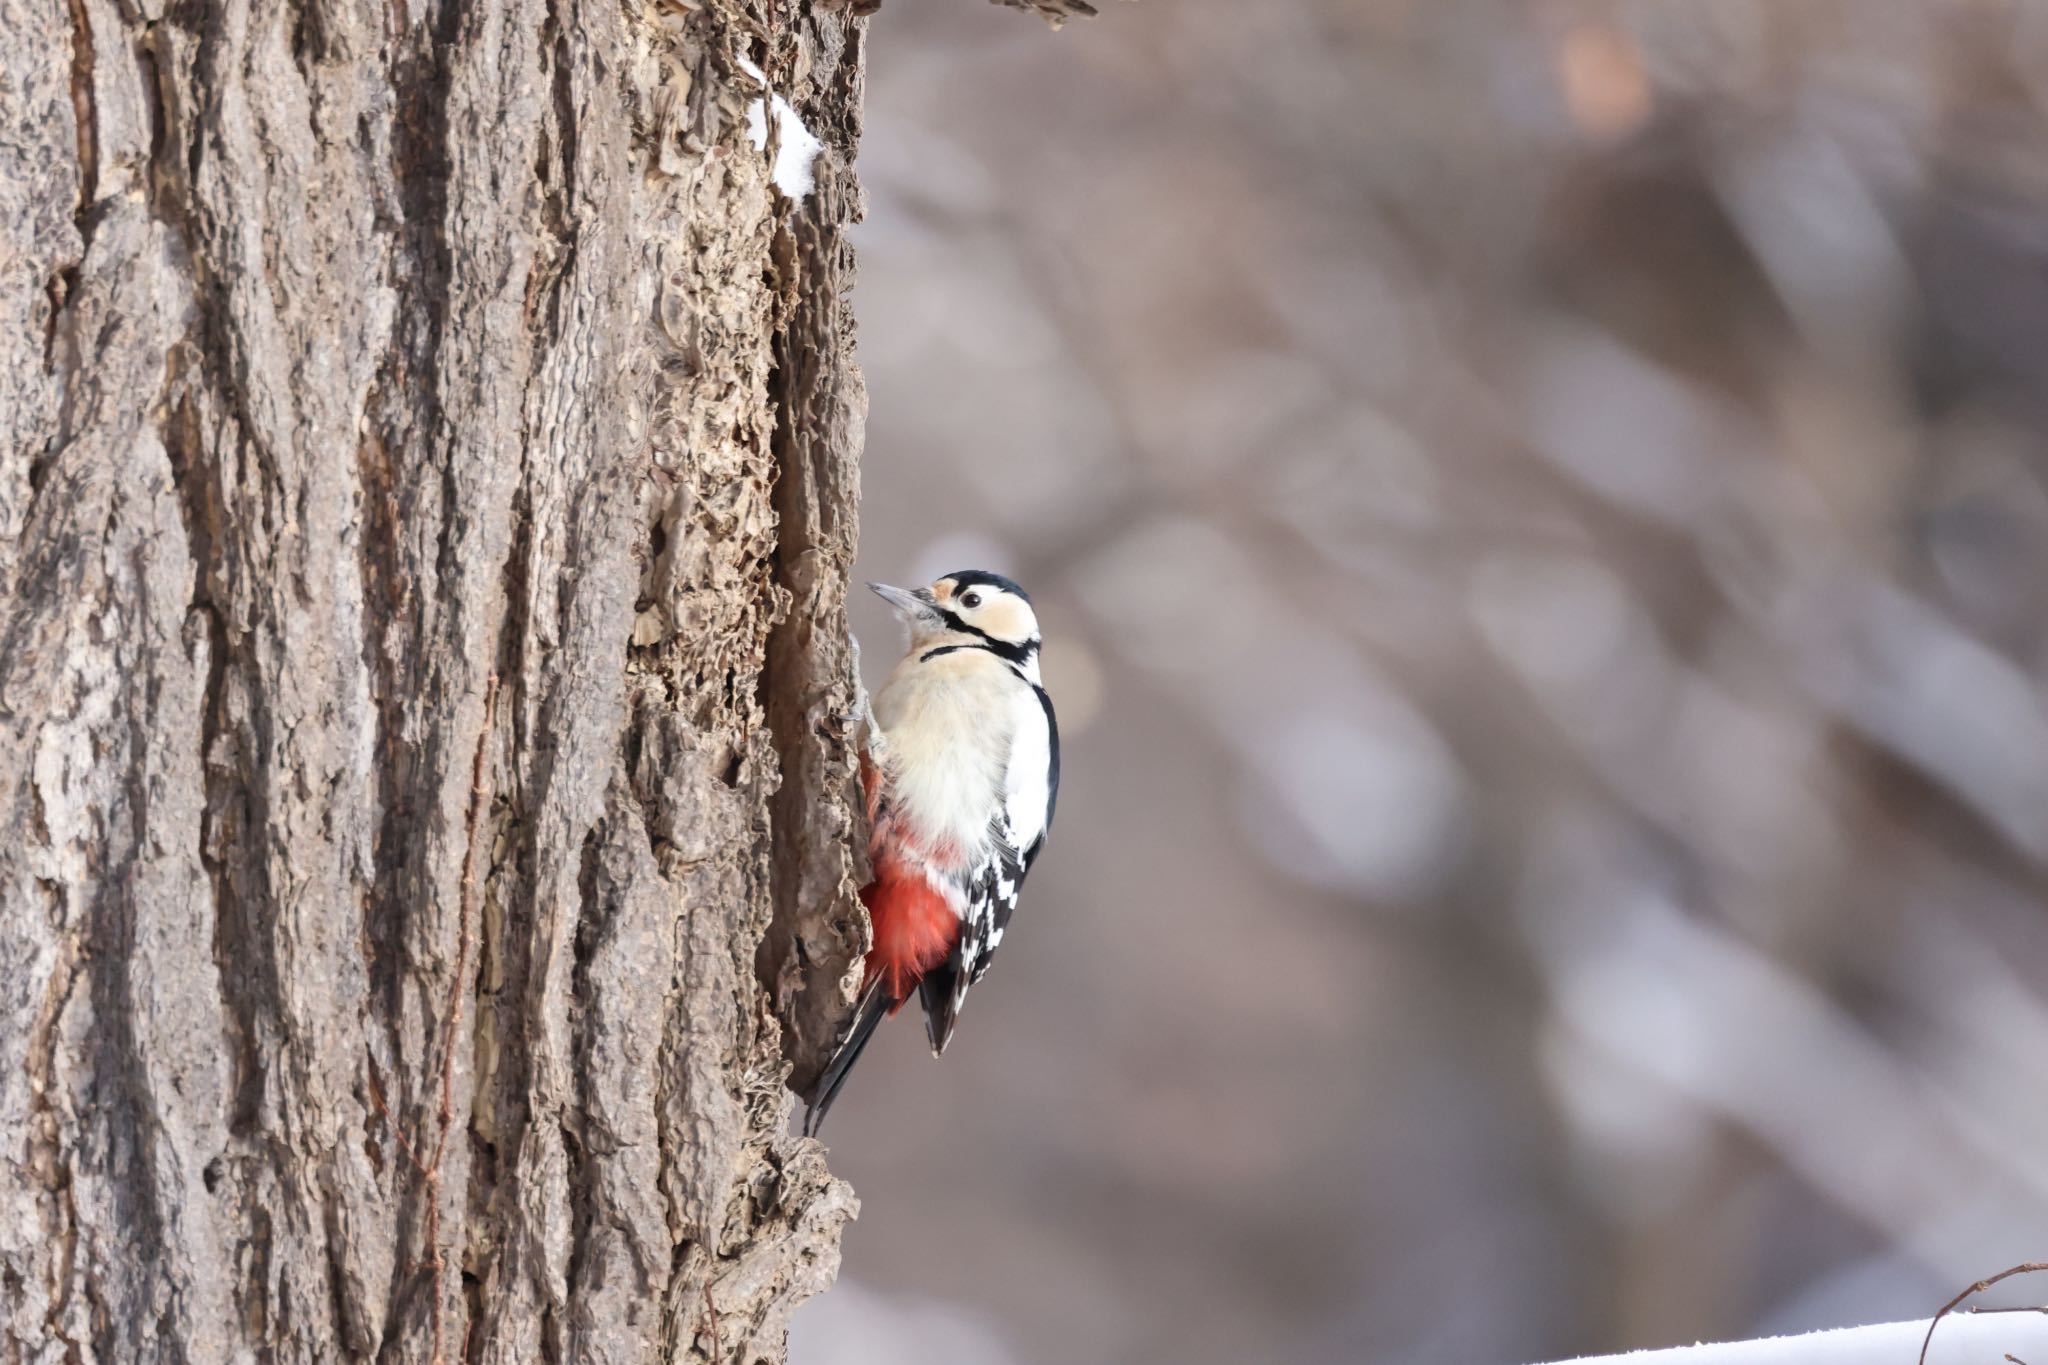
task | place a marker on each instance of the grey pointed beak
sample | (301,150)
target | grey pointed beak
(910,604)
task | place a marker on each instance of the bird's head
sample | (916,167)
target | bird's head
(971,607)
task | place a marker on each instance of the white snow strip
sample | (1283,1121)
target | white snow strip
(795,147)
(1961,1339)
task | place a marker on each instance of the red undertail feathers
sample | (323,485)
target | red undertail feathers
(914,928)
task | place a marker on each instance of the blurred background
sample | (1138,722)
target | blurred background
(1540,512)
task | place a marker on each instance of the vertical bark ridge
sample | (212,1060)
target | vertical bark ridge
(810,963)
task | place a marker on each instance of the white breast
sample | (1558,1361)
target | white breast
(950,725)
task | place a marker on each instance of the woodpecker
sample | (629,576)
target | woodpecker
(961,774)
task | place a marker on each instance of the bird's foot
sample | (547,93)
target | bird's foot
(860,720)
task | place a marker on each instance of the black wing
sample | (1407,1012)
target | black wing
(1052,777)
(992,890)
(1011,880)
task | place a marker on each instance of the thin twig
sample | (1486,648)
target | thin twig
(2023,1268)
(437,1261)
(384,1112)
(712,1309)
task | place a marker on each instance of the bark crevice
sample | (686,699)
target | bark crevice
(86,116)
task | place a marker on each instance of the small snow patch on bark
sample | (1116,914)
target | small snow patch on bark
(796,148)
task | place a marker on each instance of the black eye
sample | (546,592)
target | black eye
(970,600)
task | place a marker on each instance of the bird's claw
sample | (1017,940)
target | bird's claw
(860,720)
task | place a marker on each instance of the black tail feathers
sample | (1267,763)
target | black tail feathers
(941,992)
(874,1007)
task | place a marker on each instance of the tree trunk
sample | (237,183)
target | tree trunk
(430,444)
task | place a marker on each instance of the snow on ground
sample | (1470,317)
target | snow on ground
(1961,1339)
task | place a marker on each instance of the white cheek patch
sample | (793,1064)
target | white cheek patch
(1004,618)
(1010,618)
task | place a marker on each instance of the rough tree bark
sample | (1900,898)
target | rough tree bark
(430,437)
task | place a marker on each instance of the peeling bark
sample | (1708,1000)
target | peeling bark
(353,356)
